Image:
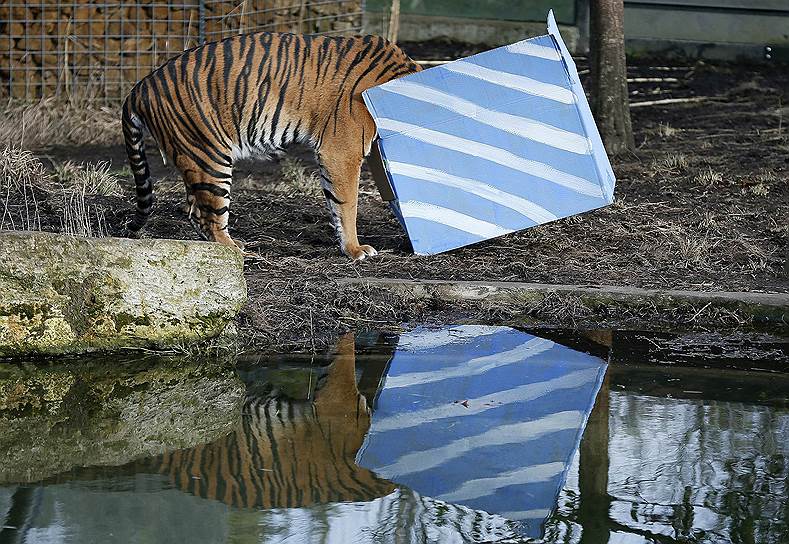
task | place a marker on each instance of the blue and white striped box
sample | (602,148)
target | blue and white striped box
(490,144)
(486,417)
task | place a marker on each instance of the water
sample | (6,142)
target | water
(466,434)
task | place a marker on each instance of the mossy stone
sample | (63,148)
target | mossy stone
(66,295)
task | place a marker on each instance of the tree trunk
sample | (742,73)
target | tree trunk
(609,74)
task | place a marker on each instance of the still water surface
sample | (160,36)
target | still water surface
(466,434)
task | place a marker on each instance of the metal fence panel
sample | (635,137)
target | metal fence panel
(98,50)
(224,18)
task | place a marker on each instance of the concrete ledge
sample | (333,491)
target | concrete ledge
(766,308)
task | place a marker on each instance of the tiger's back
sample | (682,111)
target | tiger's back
(253,94)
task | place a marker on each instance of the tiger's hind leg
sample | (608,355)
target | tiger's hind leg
(208,198)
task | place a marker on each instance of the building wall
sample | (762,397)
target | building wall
(697,28)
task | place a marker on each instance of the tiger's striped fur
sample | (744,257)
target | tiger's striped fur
(252,95)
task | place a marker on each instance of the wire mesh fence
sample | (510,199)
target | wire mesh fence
(98,50)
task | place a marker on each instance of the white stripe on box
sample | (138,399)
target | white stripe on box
(451,218)
(514,124)
(532,49)
(513,81)
(529,209)
(493,154)
(537,513)
(483,487)
(430,339)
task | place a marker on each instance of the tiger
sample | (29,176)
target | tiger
(252,95)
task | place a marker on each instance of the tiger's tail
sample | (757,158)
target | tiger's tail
(135,149)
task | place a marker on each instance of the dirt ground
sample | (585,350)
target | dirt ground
(701,204)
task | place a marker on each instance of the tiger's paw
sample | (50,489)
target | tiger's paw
(359,253)
(129,231)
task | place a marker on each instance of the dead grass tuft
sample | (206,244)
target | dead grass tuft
(89,178)
(708,177)
(79,217)
(58,122)
(673,163)
(666,130)
(709,222)
(19,168)
(693,250)
(762,183)
(759,189)
(22,175)
(296,179)
(25,183)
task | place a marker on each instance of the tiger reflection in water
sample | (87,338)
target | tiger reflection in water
(287,454)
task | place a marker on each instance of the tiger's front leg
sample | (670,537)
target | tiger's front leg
(340,170)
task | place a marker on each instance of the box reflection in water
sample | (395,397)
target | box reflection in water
(486,417)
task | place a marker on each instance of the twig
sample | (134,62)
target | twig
(302,11)
(242,19)
(312,334)
(697,314)
(652,80)
(671,101)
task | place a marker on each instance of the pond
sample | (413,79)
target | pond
(461,434)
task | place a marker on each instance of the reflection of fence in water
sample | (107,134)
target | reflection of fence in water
(100,49)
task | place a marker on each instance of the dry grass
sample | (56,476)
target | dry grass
(21,176)
(665,130)
(296,179)
(19,168)
(79,217)
(56,122)
(670,163)
(89,178)
(709,177)
(571,310)
(693,251)
(25,183)
(297,303)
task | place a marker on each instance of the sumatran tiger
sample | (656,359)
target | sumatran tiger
(251,95)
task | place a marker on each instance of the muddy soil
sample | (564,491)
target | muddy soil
(701,204)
